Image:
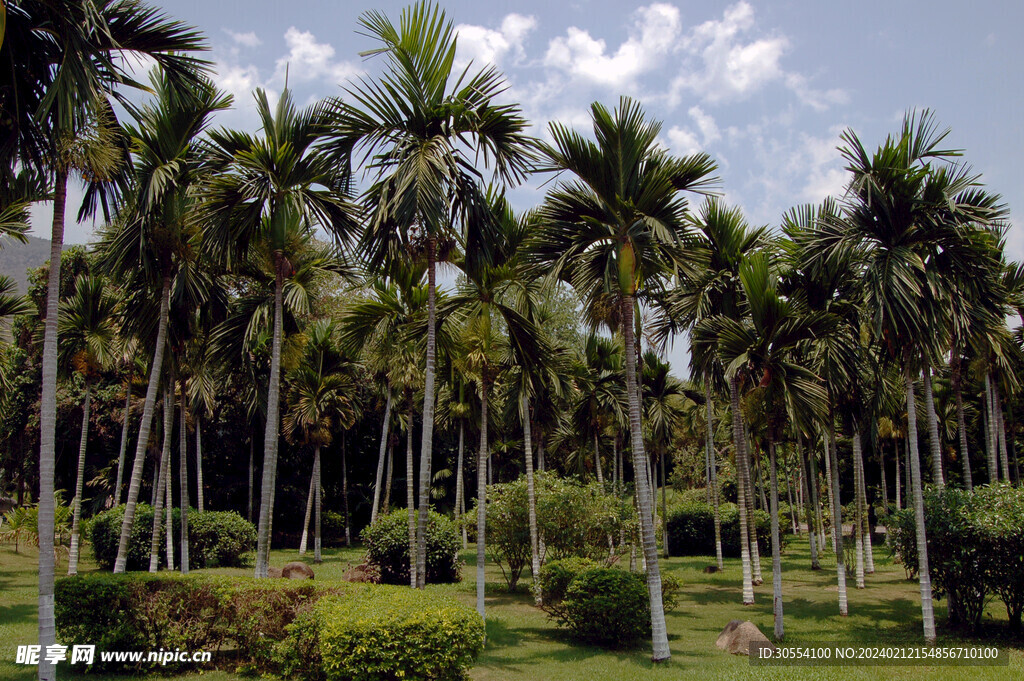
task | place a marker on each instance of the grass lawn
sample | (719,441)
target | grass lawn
(524,645)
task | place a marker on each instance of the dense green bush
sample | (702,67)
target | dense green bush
(508,528)
(691,530)
(607,607)
(555,577)
(299,629)
(975,548)
(396,633)
(216,538)
(387,547)
(578,520)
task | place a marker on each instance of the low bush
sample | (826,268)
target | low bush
(691,530)
(975,549)
(607,607)
(555,577)
(216,538)
(578,520)
(387,547)
(294,629)
(396,633)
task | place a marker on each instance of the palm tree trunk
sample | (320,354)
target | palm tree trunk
(899,497)
(410,500)
(531,496)
(200,505)
(924,576)
(961,421)
(386,504)
(829,490)
(809,502)
(249,513)
(48,428)
(993,467)
(427,440)
(481,500)
(882,474)
(865,521)
(659,633)
(317,555)
(814,484)
(713,469)
(755,549)
(304,540)
(664,504)
(385,427)
(597,460)
(169,487)
(79,484)
(742,487)
(858,525)
(344,494)
(776,544)
(837,522)
(161,487)
(144,427)
(272,430)
(789,498)
(124,443)
(933,429)
(183,478)
(1004,459)
(460,487)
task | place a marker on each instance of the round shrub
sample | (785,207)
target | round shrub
(216,538)
(691,530)
(387,547)
(607,607)
(381,632)
(556,576)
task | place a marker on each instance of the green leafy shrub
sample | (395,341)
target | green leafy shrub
(387,547)
(332,525)
(578,520)
(691,530)
(555,577)
(508,528)
(607,607)
(216,538)
(396,633)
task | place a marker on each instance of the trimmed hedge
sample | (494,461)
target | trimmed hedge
(216,538)
(397,633)
(691,530)
(387,546)
(296,629)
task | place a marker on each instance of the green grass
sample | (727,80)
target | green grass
(524,645)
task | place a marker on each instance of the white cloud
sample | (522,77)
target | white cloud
(653,35)
(488,46)
(682,141)
(706,124)
(820,160)
(309,60)
(819,100)
(249,39)
(238,80)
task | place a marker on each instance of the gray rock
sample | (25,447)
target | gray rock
(740,637)
(297,570)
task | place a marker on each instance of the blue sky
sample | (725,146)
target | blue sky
(765,88)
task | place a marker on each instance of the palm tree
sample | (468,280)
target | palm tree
(665,399)
(268,190)
(617,229)
(87,327)
(905,204)
(423,126)
(156,229)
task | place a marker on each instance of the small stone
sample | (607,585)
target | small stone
(740,637)
(297,570)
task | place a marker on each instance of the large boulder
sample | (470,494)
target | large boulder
(740,637)
(297,570)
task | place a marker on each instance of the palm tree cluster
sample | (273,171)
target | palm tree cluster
(284,284)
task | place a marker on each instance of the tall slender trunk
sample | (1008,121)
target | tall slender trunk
(481,500)
(597,460)
(924,576)
(169,487)
(344,493)
(837,521)
(272,431)
(713,470)
(1004,459)
(858,525)
(427,443)
(386,504)
(776,544)
(990,433)
(755,550)
(249,512)
(742,487)
(961,421)
(899,498)
(374,510)
(789,498)
(124,443)
(664,504)
(933,429)
(829,491)
(812,461)
(410,499)
(531,495)
(882,474)
(76,504)
(865,521)
(144,427)
(304,540)
(809,502)
(460,485)
(317,555)
(183,478)
(48,429)
(200,497)
(160,492)
(659,633)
